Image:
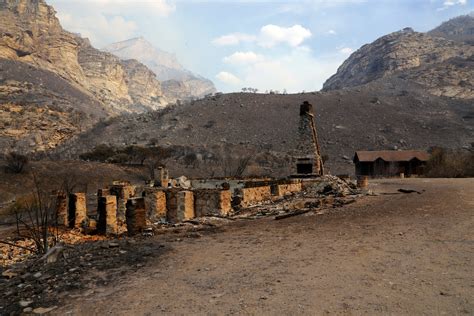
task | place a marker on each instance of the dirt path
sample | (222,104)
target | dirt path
(388,254)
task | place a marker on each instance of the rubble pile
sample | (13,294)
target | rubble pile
(332,185)
(318,195)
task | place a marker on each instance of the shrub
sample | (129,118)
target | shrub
(190,159)
(15,162)
(446,163)
(99,153)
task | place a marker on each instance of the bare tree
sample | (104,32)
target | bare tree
(37,220)
(232,165)
(242,165)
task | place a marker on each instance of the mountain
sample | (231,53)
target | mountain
(47,69)
(442,66)
(406,90)
(177,82)
(460,29)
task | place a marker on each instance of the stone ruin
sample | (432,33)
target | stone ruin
(308,157)
(176,200)
(143,206)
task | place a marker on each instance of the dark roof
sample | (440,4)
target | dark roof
(391,155)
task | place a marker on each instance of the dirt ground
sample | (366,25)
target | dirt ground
(400,254)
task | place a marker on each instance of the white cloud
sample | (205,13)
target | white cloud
(233,39)
(331,32)
(346,50)
(117,7)
(269,36)
(106,30)
(103,22)
(451,3)
(228,78)
(295,71)
(302,7)
(242,58)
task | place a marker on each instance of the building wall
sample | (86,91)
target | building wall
(180,205)
(254,195)
(380,168)
(283,189)
(212,202)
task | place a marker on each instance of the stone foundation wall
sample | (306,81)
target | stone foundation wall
(180,205)
(283,189)
(212,202)
(249,196)
(155,204)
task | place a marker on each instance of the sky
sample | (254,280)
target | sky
(290,46)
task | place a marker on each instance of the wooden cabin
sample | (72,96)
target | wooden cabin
(390,163)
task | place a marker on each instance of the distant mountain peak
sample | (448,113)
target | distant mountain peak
(140,49)
(166,67)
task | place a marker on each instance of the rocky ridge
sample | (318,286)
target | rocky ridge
(441,65)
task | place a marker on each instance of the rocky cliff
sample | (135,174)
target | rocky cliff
(177,82)
(143,86)
(31,33)
(39,58)
(441,65)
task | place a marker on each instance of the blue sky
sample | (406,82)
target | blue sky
(278,45)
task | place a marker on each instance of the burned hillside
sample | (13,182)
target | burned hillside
(385,114)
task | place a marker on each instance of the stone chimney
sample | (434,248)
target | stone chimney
(308,157)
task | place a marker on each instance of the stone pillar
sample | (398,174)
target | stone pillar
(123,191)
(180,205)
(101,193)
(135,215)
(155,204)
(62,209)
(185,205)
(164,177)
(77,212)
(107,211)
